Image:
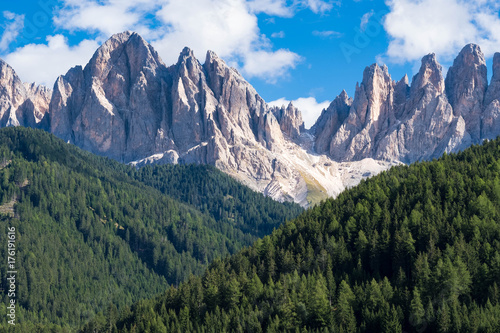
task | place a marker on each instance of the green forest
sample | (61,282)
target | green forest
(95,236)
(414,249)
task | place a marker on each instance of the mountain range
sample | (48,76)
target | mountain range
(128,105)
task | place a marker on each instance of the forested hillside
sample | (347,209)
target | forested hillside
(415,249)
(219,195)
(91,237)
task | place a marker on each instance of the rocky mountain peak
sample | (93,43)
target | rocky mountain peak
(12,95)
(290,120)
(430,73)
(467,78)
(470,55)
(21,104)
(490,122)
(466,84)
(186,57)
(186,53)
(216,70)
(7,75)
(330,121)
(374,73)
(211,57)
(401,90)
(126,51)
(373,98)
(188,66)
(343,95)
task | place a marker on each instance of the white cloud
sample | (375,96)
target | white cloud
(12,29)
(365,19)
(228,27)
(271,7)
(270,65)
(280,34)
(43,63)
(225,27)
(440,26)
(105,17)
(309,107)
(286,8)
(318,6)
(327,34)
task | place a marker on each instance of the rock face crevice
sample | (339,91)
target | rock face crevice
(128,105)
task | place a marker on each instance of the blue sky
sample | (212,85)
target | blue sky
(301,50)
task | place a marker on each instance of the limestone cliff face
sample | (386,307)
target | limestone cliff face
(490,122)
(466,84)
(290,120)
(113,106)
(390,120)
(128,105)
(21,104)
(371,112)
(424,121)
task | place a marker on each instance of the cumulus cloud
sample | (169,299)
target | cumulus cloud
(43,63)
(440,26)
(12,28)
(309,107)
(270,65)
(104,17)
(228,27)
(286,8)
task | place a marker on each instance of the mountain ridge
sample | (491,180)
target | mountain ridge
(448,114)
(128,105)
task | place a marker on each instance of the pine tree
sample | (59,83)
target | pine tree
(417,312)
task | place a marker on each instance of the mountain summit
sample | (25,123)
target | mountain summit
(128,105)
(389,120)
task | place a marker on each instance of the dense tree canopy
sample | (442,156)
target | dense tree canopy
(93,236)
(220,196)
(414,249)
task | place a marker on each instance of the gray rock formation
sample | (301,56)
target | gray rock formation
(390,120)
(112,107)
(490,124)
(466,84)
(329,122)
(128,105)
(21,104)
(290,120)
